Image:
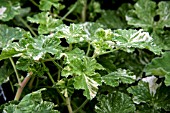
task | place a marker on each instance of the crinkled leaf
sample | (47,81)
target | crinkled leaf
(33,48)
(128,40)
(89,83)
(9,9)
(45,5)
(65,86)
(102,41)
(120,76)
(142,15)
(9,34)
(31,103)
(5,71)
(115,103)
(164,14)
(81,66)
(142,94)
(46,21)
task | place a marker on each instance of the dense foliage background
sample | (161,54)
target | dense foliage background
(94,56)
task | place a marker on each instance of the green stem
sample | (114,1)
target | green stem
(52,80)
(82,105)
(30,85)
(70,11)
(48,73)
(69,20)
(25,23)
(55,63)
(22,85)
(83,13)
(69,105)
(88,49)
(34,3)
(16,72)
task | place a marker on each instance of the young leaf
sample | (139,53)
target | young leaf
(143,93)
(66,86)
(31,103)
(9,9)
(45,5)
(46,21)
(115,103)
(120,76)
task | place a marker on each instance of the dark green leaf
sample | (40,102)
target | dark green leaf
(120,76)
(31,103)
(115,103)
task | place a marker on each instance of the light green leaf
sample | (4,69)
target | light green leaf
(46,21)
(142,15)
(115,103)
(164,14)
(65,86)
(31,103)
(81,66)
(120,76)
(142,94)
(128,40)
(9,34)
(45,5)
(9,9)
(89,83)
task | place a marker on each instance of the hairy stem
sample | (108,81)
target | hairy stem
(16,72)
(69,105)
(22,85)
(81,106)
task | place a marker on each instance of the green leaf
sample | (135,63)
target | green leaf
(84,71)
(9,9)
(115,103)
(89,83)
(46,21)
(128,40)
(149,92)
(45,5)
(9,34)
(120,76)
(164,14)
(142,15)
(158,65)
(65,86)
(5,71)
(114,18)
(31,103)
(81,66)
